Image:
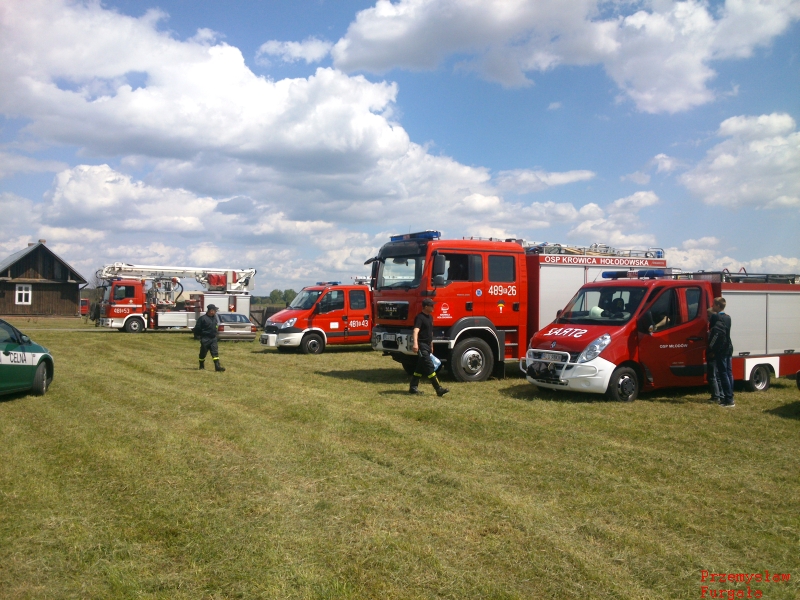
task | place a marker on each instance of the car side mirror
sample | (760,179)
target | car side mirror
(26,339)
(439,265)
(645,324)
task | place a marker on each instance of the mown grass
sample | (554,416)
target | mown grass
(295,476)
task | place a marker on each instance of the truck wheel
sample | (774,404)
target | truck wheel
(472,360)
(409,365)
(623,386)
(312,344)
(135,325)
(40,380)
(759,379)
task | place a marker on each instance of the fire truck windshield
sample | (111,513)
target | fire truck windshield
(305,299)
(602,306)
(401,272)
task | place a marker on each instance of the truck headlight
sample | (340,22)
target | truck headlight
(288,323)
(594,349)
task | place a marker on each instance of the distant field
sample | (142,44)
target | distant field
(294,476)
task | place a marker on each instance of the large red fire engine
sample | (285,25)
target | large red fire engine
(646,330)
(490,295)
(130,305)
(322,314)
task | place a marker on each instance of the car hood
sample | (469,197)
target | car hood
(569,338)
(286,314)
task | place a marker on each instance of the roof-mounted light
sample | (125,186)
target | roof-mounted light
(652,273)
(419,235)
(618,274)
(329,283)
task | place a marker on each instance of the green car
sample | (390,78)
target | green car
(24,365)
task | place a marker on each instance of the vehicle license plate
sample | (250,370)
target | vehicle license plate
(389,337)
(549,356)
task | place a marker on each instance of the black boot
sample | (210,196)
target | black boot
(218,367)
(202,364)
(413,388)
(440,391)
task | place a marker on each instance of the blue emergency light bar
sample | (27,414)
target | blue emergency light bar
(644,273)
(329,283)
(419,235)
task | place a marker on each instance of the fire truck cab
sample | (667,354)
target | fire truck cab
(322,314)
(648,330)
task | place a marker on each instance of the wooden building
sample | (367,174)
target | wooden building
(35,281)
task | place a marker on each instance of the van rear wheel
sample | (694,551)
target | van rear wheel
(759,379)
(623,386)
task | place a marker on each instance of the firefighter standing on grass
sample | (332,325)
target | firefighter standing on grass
(206,330)
(423,339)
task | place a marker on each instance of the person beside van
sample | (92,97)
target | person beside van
(719,342)
(713,378)
(422,343)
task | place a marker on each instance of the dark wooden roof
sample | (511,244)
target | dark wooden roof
(9,263)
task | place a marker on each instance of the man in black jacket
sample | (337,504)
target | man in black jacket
(422,342)
(719,342)
(206,330)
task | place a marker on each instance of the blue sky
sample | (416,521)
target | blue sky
(296,136)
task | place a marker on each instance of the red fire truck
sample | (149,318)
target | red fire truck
(139,297)
(490,295)
(647,330)
(322,314)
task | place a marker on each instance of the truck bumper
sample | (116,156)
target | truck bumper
(394,341)
(592,376)
(287,340)
(112,323)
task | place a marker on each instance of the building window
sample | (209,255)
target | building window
(23,294)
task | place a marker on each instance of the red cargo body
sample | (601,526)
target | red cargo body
(490,295)
(328,313)
(626,335)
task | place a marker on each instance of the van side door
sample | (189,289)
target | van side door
(330,316)
(359,323)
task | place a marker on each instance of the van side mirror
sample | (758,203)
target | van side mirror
(318,308)
(439,265)
(559,312)
(645,324)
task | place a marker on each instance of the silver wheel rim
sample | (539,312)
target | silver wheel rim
(760,378)
(472,361)
(313,345)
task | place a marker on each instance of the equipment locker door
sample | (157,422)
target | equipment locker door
(359,325)
(330,316)
(674,352)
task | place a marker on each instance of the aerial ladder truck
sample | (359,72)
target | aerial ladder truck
(140,297)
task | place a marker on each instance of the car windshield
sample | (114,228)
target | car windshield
(601,306)
(305,299)
(401,272)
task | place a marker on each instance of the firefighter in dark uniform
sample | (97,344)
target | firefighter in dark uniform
(206,330)
(422,342)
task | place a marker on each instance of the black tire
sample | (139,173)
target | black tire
(40,380)
(135,325)
(409,365)
(312,344)
(472,360)
(759,379)
(624,385)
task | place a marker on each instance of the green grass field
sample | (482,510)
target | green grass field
(291,476)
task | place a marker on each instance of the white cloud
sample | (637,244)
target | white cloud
(619,227)
(525,181)
(703,242)
(554,106)
(658,52)
(636,177)
(757,165)
(697,255)
(310,50)
(15,163)
(664,163)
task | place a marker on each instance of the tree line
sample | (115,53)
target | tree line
(276,297)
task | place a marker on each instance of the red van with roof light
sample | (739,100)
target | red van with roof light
(322,314)
(647,330)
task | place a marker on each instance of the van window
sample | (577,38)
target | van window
(333,300)
(358,300)
(462,267)
(693,296)
(501,269)
(665,311)
(124,291)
